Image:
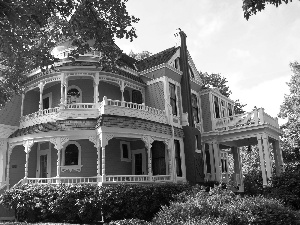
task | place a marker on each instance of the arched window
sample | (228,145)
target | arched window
(71,157)
(74,95)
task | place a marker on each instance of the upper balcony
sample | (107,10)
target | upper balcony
(94,110)
(246,120)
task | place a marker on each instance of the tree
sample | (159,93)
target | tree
(215,80)
(290,110)
(30,29)
(251,7)
(140,56)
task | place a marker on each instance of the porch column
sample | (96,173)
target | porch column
(278,157)
(212,162)
(182,155)
(41,87)
(168,145)
(3,149)
(266,148)
(262,160)
(95,140)
(22,104)
(9,151)
(58,145)
(148,144)
(238,178)
(217,160)
(27,148)
(122,88)
(62,85)
(96,84)
(104,139)
(66,90)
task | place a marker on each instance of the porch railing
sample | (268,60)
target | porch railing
(159,178)
(64,180)
(256,117)
(127,178)
(81,106)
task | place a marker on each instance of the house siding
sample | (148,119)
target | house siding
(10,114)
(206,113)
(55,90)
(32,161)
(17,165)
(110,91)
(155,95)
(31,102)
(87,88)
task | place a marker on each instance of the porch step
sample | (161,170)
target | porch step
(6,215)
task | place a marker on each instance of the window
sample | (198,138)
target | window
(178,158)
(191,73)
(173,100)
(125,151)
(71,157)
(137,97)
(217,107)
(195,108)
(176,63)
(207,159)
(230,109)
(74,95)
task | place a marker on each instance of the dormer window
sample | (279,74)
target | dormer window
(173,100)
(176,63)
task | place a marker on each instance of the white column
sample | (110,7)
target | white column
(104,139)
(266,148)
(212,163)
(262,160)
(122,87)
(9,151)
(182,155)
(217,160)
(41,86)
(3,149)
(66,90)
(148,144)
(27,148)
(238,168)
(22,104)
(58,145)
(96,84)
(62,84)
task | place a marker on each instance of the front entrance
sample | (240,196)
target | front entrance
(43,161)
(138,162)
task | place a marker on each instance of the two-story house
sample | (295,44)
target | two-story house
(146,122)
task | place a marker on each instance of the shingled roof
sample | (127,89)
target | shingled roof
(156,59)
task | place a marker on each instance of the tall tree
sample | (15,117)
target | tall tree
(290,111)
(29,29)
(251,7)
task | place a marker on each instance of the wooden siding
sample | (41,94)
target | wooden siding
(109,90)
(155,95)
(87,88)
(17,165)
(10,114)
(32,162)
(55,90)
(31,102)
(206,112)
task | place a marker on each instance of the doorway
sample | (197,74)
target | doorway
(138,162)
(43,169)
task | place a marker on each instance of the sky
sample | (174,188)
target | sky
(253,55)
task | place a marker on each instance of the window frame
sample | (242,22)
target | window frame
(63,158)
(196,107)
(175,100)
(129,151)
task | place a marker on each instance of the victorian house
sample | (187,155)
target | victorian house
(149,122)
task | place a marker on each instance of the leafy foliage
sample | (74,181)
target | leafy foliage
(88,203)
(29,30)
(140,55)
(251,7)
(221,206)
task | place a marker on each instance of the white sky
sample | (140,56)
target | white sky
(253,55)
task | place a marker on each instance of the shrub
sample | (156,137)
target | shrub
(221,206)
(83,203)
(130,222)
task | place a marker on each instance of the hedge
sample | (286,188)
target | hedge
(84,203)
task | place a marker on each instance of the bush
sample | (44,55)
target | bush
(221,206)
(84,203)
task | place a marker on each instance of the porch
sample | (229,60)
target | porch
(108,158)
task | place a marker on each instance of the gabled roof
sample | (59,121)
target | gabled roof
(156,59)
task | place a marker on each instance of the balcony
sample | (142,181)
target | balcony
(249,119)
(94,110)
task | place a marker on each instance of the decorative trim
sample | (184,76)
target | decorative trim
(148,140)
(59,142)
(159,79)
(95,140)
(27,145)
(163,65)
(76,168)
